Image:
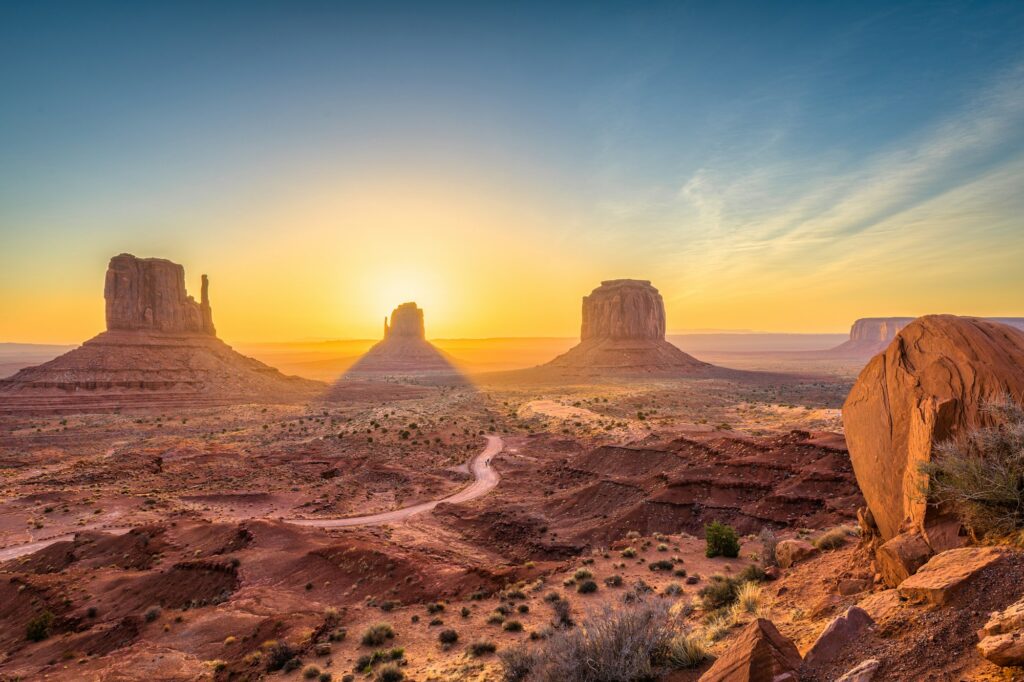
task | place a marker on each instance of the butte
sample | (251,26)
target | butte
(404,350)
(160,349)
(623,333)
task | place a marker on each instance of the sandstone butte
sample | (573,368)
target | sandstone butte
(871,335)
(931,383)
(404,348)
(623,331)
(160,347)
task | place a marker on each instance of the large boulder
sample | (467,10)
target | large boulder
(760,653)
(930,384)
(899,558)
(838,635)
(789,552)
(947,574)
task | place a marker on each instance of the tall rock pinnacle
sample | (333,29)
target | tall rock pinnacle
(406,322)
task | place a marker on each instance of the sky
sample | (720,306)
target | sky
(778,166)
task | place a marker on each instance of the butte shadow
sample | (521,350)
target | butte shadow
(160,349)
(401,365)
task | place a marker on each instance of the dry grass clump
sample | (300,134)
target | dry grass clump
(980,474)
(832,539)
(630,642)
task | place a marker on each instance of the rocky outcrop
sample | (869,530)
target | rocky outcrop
(623,332)
(624,309)
(1001,641)
(760,653)
(947,574)
(864,671)
(843,631)
(149,294)
(160,348)
(930,384)
(900,557)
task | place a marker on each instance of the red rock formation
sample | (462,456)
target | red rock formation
(929,384)
(759,653)
(870,335)
(404,348)
(160,348)
(623,331)
(406,321)
(149,294)
(624,309)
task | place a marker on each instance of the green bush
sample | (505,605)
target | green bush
(721,540)
(38,628)
(719,592)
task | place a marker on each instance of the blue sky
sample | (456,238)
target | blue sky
(784,166)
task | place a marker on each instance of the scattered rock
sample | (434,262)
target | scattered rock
(1002,638)
(789,552)
(946,574)
(837,635)
(900,557)
(930,383)
(760,653)
(850,586)
(864,672)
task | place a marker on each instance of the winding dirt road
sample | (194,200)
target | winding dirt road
(485,478)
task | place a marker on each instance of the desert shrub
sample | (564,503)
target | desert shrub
(685,650)
(517,662)
(629,553)
(979,474)
(719,592)
(495,619)
(769,542)
(563,614)
(753,573)
(482,648)
(749,597)
(376,635)
(38,628)
(512,626)
(464,612)
(390,673)
(831,539)
(721,540)
(718,626)
(436,607)
(448,636)
(672,590)
(325,677)
(613,580)
(278,655)
(523,608)
(624,643)
(310,672)
(152,613)
(661,565)
(582,574)
(587,587)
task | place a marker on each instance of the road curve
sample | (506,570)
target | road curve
(485,478)
(484,475)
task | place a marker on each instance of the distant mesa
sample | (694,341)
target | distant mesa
(160,347)
(404,350)
(623,331)
(872,335)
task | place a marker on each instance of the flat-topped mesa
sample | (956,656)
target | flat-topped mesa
(623,309)
(149,294)
(406,322)
(878,329)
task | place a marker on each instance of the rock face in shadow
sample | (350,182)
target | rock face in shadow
(149,294)
(160,347)
(930,384)
(404,349)
(623,332)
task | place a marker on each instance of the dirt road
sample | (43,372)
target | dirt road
(485,478)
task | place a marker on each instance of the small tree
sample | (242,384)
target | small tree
(721,540)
